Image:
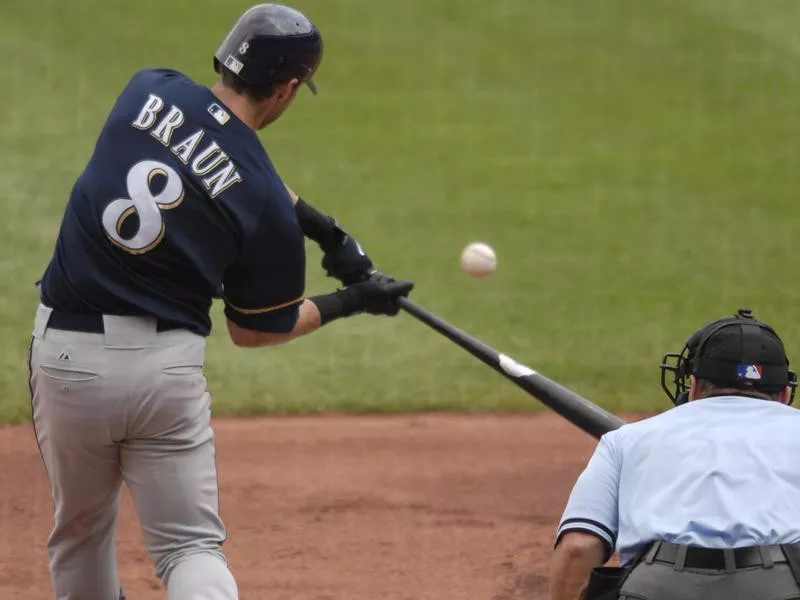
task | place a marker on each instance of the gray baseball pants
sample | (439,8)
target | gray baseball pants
(658,581)
(128,405)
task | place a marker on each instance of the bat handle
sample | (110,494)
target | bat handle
(474,346)
(408,305)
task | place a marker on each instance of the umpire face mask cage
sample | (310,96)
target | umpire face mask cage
(737,352)
(271,43)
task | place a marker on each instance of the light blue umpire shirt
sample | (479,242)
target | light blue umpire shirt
(721,472)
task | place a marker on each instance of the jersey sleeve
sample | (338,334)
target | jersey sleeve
(263,290)
(593,503)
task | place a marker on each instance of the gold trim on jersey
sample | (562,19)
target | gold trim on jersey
(261,311)
(121,220)
(147,248)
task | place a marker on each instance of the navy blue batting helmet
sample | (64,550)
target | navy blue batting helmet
(271,43)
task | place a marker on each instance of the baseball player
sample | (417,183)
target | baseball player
(178,204)
(701,501)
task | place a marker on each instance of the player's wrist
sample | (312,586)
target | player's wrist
(338,304)
(317,226)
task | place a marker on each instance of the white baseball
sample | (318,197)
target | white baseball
(478,259)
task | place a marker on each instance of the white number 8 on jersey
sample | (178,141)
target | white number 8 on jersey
(146,206)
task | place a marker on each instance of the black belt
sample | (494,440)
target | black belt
(92,322)
(710,558)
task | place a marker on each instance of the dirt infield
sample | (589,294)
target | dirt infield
(325,508)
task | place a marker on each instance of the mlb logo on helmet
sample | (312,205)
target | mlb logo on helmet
(233,64)
(749,372)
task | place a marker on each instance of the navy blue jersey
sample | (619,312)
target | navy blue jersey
(179,204)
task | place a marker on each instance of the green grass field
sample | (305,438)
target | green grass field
(634,164)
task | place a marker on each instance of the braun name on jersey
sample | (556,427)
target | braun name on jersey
(211,164)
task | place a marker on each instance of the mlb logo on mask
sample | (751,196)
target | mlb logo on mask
(749,372)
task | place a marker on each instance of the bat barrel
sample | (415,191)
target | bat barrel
(576,409)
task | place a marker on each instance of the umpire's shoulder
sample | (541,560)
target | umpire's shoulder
(642,426)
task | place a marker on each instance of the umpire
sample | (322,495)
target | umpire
(702,500)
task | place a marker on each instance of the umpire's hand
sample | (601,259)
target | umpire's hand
(378,295)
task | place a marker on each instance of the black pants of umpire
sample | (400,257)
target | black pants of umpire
(674,572)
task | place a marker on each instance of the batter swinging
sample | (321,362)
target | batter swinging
(178,204)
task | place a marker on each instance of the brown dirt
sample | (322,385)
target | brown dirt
(327,508)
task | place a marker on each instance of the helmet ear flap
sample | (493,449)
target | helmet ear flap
(680,367)
(691,346)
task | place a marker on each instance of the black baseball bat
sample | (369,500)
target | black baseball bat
(574,408)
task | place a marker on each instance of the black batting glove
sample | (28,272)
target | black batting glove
(346,260)
(378,295)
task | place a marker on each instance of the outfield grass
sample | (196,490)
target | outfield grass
(633,163)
